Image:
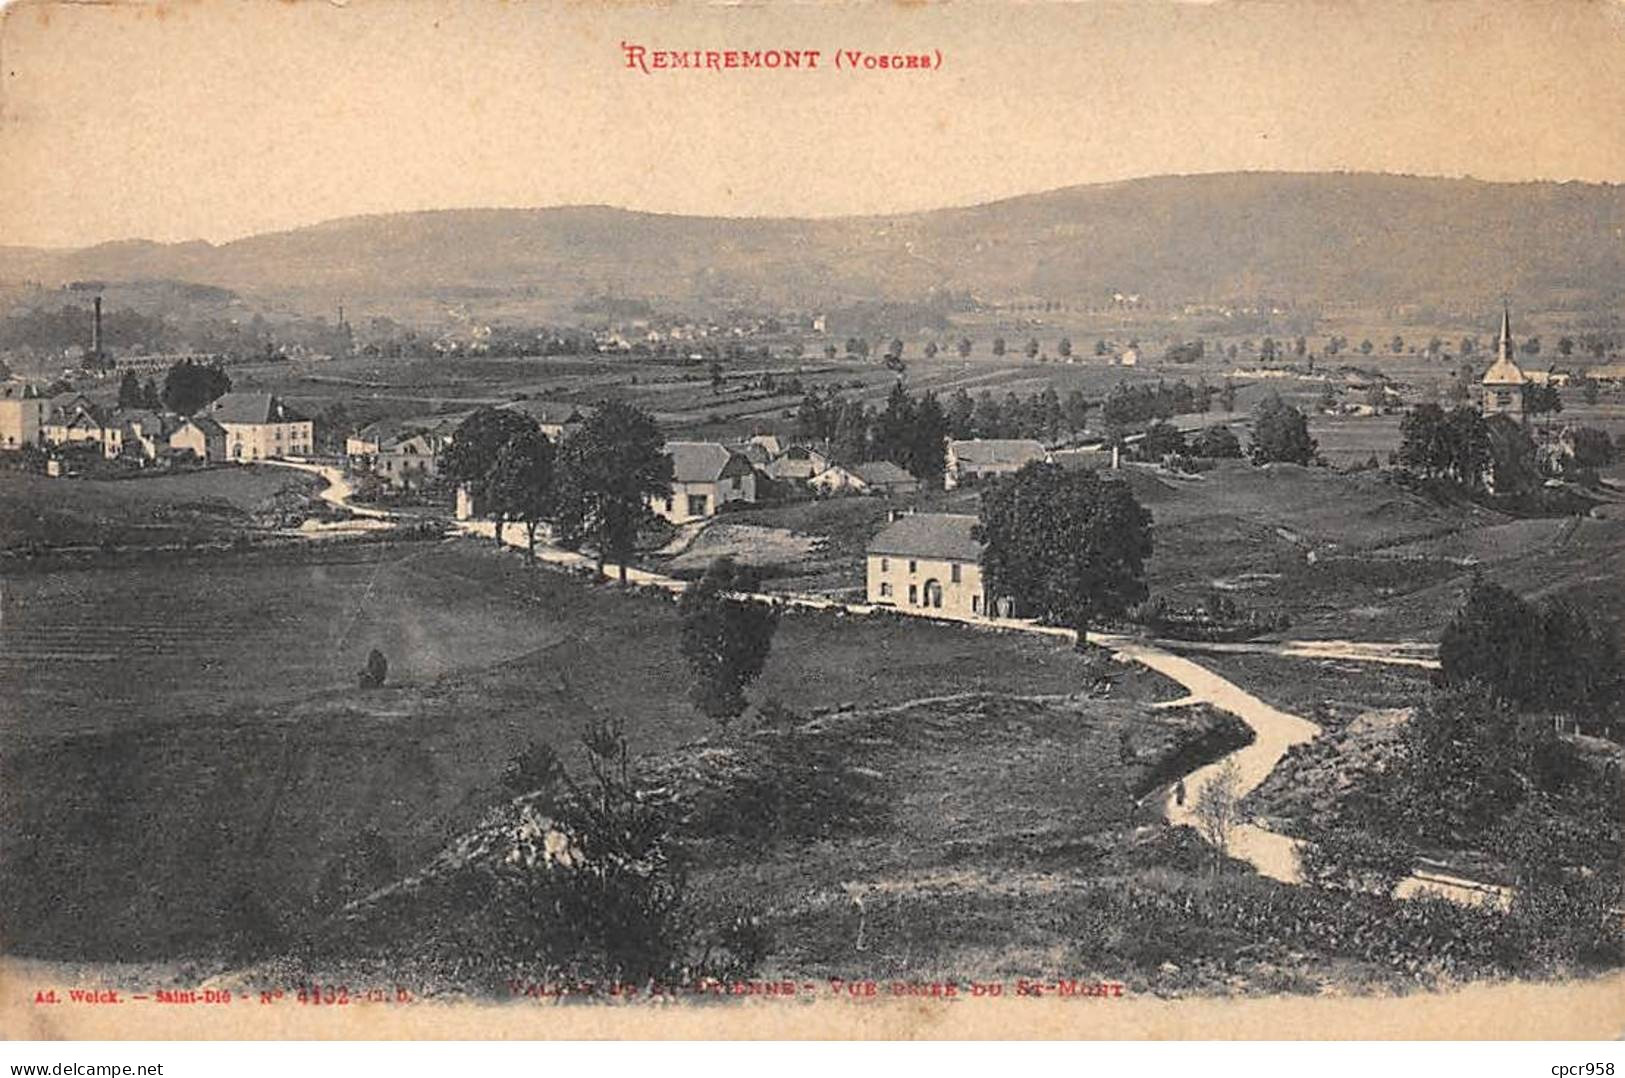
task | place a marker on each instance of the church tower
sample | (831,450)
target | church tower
(1504,382)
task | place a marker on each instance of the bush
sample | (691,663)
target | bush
(377,669)
(535,768)
(1349,859)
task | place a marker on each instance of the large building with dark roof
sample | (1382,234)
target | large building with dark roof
(259,426)
(930,564)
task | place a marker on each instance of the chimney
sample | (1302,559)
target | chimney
(96,331)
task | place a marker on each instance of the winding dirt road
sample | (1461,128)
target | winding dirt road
(1275,731)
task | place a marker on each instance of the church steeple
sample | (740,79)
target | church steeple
(1504,383)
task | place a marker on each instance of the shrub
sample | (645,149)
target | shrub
(377,669)
(1349,859)
(535,768)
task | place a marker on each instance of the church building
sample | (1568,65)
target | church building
(1504,383)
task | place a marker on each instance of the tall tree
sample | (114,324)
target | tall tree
(129,391)
(960,410)
(607,472)
(189,386)
(521,483)
(1280,433)
(928,441)
(894,428)
(1064,545)
(472,455)
(725,639)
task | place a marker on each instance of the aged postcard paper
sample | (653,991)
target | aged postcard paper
(969,520)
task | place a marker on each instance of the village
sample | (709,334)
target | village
(1208,590)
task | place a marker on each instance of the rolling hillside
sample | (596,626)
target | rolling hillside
(1373,241)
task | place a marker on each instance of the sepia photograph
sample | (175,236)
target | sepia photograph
(1088,519)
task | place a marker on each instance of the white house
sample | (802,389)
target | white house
(22,416)
(260,426)
(983,458)
(78,421)
(409,459)
(705,476)
(928,564)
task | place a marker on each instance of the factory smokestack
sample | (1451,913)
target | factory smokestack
(96,332)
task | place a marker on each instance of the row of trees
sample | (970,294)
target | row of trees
(594,487)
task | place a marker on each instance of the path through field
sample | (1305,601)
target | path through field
(1275,731)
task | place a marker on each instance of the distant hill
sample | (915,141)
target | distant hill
(1372,241)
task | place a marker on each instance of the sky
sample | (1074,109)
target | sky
(214,119)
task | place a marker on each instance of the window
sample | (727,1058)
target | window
(975,604)
(698,505)
(913,566)
(734,482)
(885,590)
(913,595)
(668,505)
(885,565)
(953,573)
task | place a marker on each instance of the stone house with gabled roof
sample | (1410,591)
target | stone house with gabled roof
(259,426)
(705,477)
(976,459)
(930,564)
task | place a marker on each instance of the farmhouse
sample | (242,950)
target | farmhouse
(798,462)
(705,476)
(22,416)
(259,426)
(875,477)
(409,459)
(77,420)
(981,458)
(202,437)
(1504,382)
(927,563)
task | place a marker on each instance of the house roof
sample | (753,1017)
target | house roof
(881,473)
(150,422)
(704,462)
(550,412)
(248,408)
(800,452)
(69,406)
(209,427)
(929,535)
(754,452)
(997,451)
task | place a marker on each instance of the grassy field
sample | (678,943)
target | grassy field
(149,509)
(146,820)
